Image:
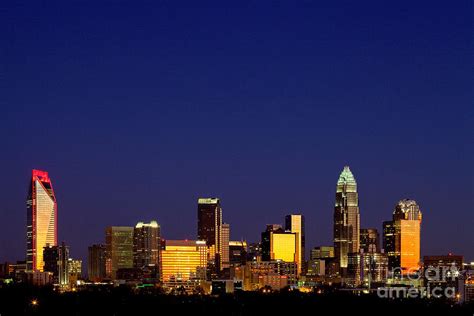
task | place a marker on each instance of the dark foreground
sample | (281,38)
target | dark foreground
(21,300)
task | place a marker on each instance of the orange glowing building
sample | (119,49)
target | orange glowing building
(402,237)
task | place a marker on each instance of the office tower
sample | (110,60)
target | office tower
(119,249)
(51,260)
(237,252)
(346,218)
(283,246)
(369,240)
(41,210)
(320,259)
(183,262)
(210,229)
(146,245)
(322,252)
(443,272)
(365,268)
(63,264)
(266,237)
(75,269)
(255,251)
(402,238)
(225,235)
(96,263)
(294,223)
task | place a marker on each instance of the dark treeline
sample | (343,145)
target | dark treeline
(25,300)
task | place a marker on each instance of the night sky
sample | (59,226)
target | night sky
(136,109)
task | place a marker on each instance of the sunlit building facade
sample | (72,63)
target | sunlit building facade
(41,219)
(283,246)
(119,249)
(183,261)
(402,237)
(346,218)
(295,223)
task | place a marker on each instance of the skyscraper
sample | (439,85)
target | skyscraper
(295,223)
(146,244)
(346,218)
(210,229)
(63,264)
(41,226)
(119,249)
(96,263)
(369,240)
(183,261)
(225,235)
(402,237)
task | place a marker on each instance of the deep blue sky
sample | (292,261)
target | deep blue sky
(138,108)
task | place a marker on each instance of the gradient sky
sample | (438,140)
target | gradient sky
(136,109)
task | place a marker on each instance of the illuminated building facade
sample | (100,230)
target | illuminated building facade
(183,262)
(96,263)
(210,229)
(295,223)
(320,259)
(402,237)
(63,264)
(41,217)
(322,252)
(225,236)
(369,240)
(367,268)
(237,252)
(146,245)
(283,246)
(346,218)
(443,272)
(119,249)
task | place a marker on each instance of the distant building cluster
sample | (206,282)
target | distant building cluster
(360,259)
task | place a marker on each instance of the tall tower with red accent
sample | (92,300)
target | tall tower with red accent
(41,218)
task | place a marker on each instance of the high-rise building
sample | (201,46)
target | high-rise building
(369,240)
(119,249)
(402,238)
(41,226)
(225,235)
(75,270)
(346,218)
(322,252)
(183,262)
(96,263)
(266,237)
(443,272)
(63,264)
(57,262)
(367,268)
(294,223)
(210,229)
(146,245)
(283,246)
(51,261)
(237,252)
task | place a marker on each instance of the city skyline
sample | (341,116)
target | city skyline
(142,108)
(405,209)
